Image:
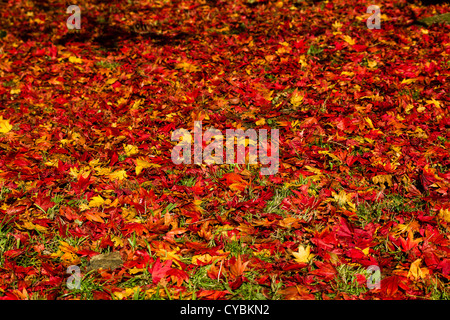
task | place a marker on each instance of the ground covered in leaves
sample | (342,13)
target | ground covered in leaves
(86,120)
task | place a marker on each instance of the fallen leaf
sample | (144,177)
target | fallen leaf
(303,255)
(416,272)
(75,59)
(5,126)
(141,164)
(444,214)
(261,122)
(96,201)
(118,175)
(130,150)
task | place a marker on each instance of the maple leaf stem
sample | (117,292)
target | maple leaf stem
(40,208)
(167,292)
(338,143)
(220,270)
(201,221)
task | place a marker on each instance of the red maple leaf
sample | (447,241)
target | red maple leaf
(160,270)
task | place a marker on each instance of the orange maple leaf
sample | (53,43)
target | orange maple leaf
(235,181)
(238,268)
(95,216)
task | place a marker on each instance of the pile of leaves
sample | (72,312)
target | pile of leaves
(86,118)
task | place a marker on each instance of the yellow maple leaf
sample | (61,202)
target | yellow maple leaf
(135,270)
(380,179)
(332,156)
(126,293)
(303,255)
(118,295)
(142,164)
(444,215)
(347,73)
(302,61)
(284,49)
(115,203)
(337,25)
(118,242)
(103,171)
(371,64)
(169,255)
(261,122)
(66,247)
(369,122)
(416,271)
(130,150)
(5,126)
(421,109)
(136,104)
(83,207)
(400,228)
(340,198)
(435,102)
(75,60)
(31,226)
(224,29)
(296,99)
(128,214)
(186,67)
(94,163)
(53,163)
(343,199)
(263,252)
(204,258)
(56,254)
(96,201)
(349,40)
(118,175)
(408,108)
(408,81)
(111,81)
(70,257)
(66,253)
(313,170)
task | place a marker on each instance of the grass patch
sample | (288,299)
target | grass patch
(391,204)
(346,280)
(238,248)
(7,241)
(107,64)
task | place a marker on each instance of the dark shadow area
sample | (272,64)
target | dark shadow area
(98,30)
(106,36)
(110,37)
(256,3)
(433,2)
